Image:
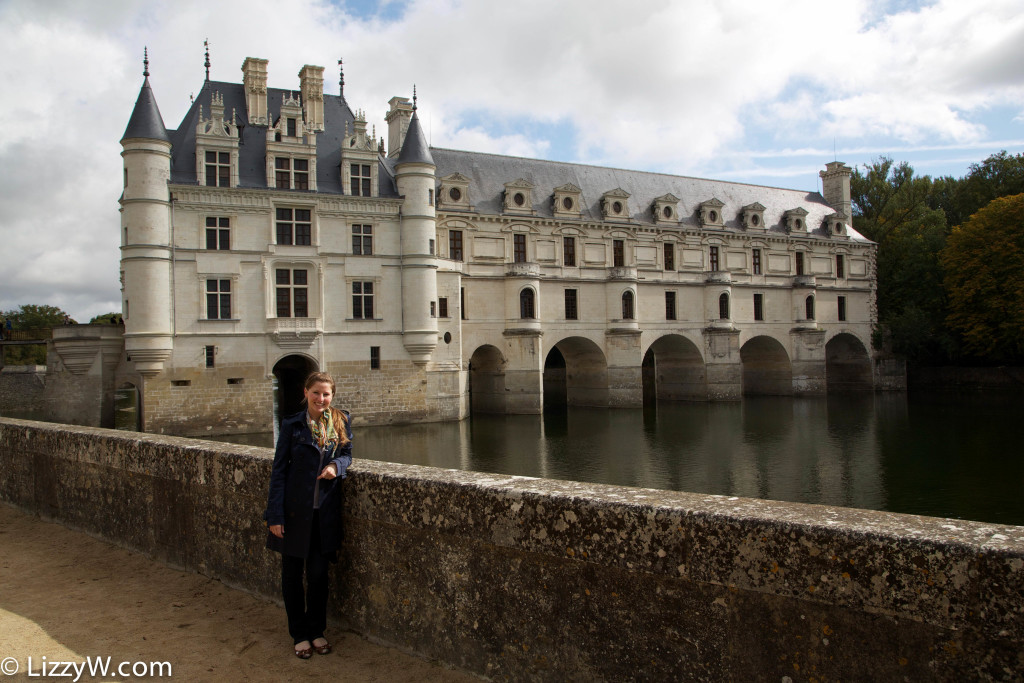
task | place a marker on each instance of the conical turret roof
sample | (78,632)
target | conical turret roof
(415,149)
(146,121)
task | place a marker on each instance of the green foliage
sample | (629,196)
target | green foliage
(891,207)
(106,318)
(984,264)
(1000,175)
(31,317)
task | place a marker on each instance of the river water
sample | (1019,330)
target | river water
(945,455)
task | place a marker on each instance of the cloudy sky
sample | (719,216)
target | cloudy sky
(760,92)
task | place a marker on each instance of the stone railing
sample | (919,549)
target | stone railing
(529,579)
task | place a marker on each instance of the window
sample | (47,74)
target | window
(618,253)
(571,305)
(569,251)
(291,127)
(294,226)
(526,304)
(430,197)
(375,358)
(433,309)
(462,303)
(627,306)
(714,258)
(218,169)
(670,256)
(362,240)
(431,247)
(756,261)
(292,293)
(842,309)
(455,245)
(442,306)
(759,307)
(209,351)
(218,233)
(218,299)
(723,306)
(840,266)
(519,248)
(362,300)
(359,183)
(799,262)
(670,305)
(291,174)
(809,307)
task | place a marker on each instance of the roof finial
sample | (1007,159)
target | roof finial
(145,62)
(341,79)
(414,97)
(206,44)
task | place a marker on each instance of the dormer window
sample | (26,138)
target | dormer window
(291,174)
(796,220)
(216,146)
(711,213)
(519,197)
(291,127)
(454,192)
(568,202)
(665,209)
(360,180)
(834,225)
(218,169)
(291,150)
(752,217)
(615,205)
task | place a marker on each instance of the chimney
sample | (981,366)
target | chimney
(254,78)
(398,123)
(311,83)
(835,186)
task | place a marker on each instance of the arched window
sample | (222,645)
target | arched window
(809,306)
(526,307)
(627,305)
(723,306)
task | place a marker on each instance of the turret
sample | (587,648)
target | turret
(145,235)
(414,175)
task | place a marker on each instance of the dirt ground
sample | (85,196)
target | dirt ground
(66,596)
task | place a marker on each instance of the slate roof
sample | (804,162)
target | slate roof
(488,174)
(415,148)
(145,121)
(253,140)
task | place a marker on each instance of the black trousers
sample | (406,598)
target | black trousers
(306,606)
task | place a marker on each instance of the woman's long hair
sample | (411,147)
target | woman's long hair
(338,418)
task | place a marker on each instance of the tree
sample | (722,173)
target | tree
(984,275)
(105,318)
(999,175)
(891,207)
(32,317)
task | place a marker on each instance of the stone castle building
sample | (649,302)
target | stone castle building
(272,234)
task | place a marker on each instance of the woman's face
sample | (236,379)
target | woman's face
(318,398)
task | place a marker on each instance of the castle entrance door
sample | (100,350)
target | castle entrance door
(290,375)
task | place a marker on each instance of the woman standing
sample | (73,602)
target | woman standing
(314,449)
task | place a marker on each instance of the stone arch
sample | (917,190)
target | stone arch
(847,365)
(767,370)
(290,373)
(487,380)
(674,370)
(127,414)
(575,374)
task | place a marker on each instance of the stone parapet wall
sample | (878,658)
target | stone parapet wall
(520,578)
(22,389)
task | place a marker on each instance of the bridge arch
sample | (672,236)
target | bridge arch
(487,380)
(290,373)
(847,364)
(674,370)
(767,370)
(575,374)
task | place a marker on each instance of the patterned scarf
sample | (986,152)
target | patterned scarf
(323,430)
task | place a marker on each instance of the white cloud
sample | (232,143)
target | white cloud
(688,86)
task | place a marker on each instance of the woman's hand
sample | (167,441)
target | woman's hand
(277,530)
(329,472)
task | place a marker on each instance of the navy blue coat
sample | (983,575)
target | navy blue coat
(293,478)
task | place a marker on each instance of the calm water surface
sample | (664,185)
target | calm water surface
(946,455)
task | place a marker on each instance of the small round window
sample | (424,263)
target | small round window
(519,198)
(799,224)
(755,220)
(839,228)
(447,337)
(712,216)
(617,207)
(667,212)
(455,194)
(567,203)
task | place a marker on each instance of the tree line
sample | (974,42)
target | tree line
(950,263)
(38,317)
